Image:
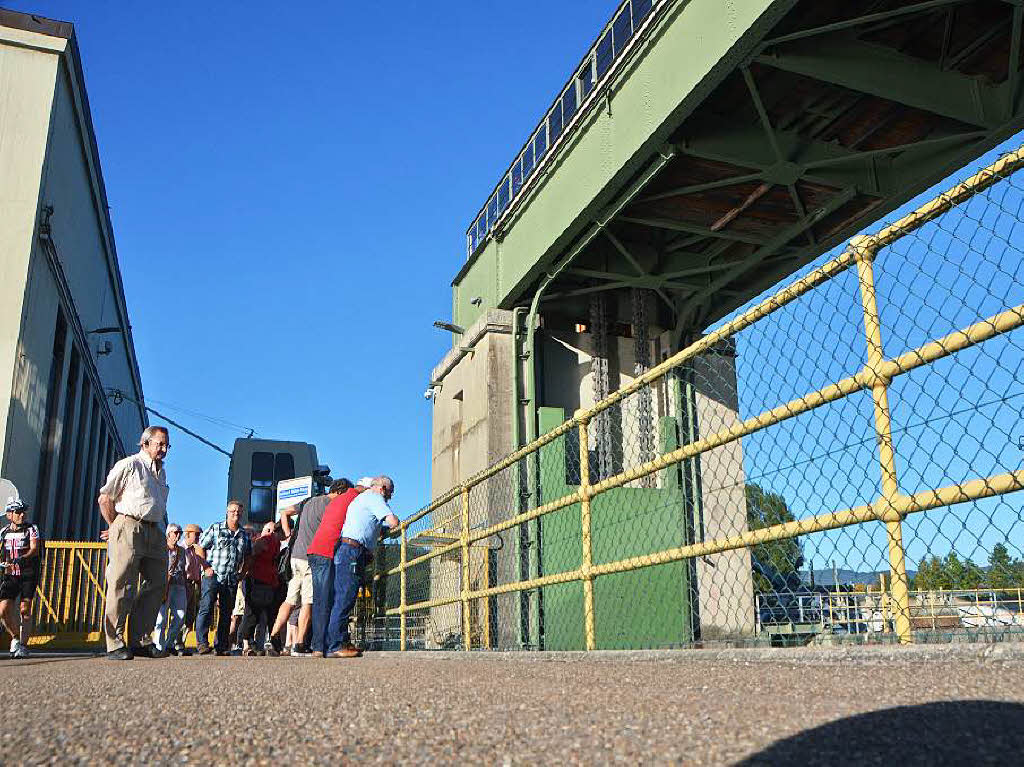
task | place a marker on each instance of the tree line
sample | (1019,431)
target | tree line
(950,572)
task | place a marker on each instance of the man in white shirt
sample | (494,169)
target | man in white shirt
(133,502)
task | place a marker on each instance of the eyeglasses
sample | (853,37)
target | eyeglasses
(16,511)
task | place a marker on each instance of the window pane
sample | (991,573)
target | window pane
(623,30)
(284,467)
(569,103)
(555,122)
(261,505)
(503,196)
(492,212)
(540,144)
(262,469)
(586,79)
(517,177)
(528,161)
(640,9)
(603,57)
(481,227)
(471,239)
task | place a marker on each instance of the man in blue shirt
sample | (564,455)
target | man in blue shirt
(363,520)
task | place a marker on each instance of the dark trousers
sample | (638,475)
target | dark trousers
(349,562)
(260,605)
(322,570)
(223,595)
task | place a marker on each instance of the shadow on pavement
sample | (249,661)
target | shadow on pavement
(36,658)
(953,733)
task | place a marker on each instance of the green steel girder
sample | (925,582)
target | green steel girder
(681,226)
(892,76)
(873,172)
(860,21)
(686,311)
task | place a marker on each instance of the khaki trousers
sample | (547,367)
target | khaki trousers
(134,549)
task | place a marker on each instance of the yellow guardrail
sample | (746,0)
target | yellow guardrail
(68,607)
(890,507)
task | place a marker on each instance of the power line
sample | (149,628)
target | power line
(120,395)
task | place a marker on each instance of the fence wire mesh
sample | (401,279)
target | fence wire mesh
(834,461)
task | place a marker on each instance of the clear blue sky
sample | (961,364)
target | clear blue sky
(290,190)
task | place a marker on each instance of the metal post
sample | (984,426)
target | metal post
(485,602)
(466,639)
(585,539)
(866,250)
(884,604)
(402,635)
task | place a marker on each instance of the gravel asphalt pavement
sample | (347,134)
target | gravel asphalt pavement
(685,707)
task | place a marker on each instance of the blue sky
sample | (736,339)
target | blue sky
(290,191)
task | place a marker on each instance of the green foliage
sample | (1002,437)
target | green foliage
(950,572)
(763,510)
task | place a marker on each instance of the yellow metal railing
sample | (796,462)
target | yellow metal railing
(867,613)
(890,507)
(68,607)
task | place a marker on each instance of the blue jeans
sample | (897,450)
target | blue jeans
(322,570)
(349,562)
(213,592)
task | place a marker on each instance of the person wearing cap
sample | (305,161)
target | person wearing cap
(194,566)
(320,556)
(172,612)
(19,555)
(365,517)
(133,502)
(300,586)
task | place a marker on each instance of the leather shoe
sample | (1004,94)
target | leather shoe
(121,653)
(148,651)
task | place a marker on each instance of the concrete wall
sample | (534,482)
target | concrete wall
(27,79)
(472,429)
(61,433)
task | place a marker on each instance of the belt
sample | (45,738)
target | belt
(351,542)
(149,522)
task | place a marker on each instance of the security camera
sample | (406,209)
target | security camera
(429,393)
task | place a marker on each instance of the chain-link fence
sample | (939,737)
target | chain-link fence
(834,461)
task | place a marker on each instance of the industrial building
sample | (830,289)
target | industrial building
(65,337)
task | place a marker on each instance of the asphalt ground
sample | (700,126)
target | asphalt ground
(697,707)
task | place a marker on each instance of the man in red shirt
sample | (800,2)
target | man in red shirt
(320,556)
(261,586)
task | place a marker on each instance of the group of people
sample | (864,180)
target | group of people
(157,586)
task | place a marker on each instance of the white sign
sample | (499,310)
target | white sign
(291,492)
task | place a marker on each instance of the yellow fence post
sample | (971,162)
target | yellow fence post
(866,249)
(586,542)
(467,641)
(402,638)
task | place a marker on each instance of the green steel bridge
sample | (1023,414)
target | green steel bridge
(705,149)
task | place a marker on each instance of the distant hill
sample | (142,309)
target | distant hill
(848,577)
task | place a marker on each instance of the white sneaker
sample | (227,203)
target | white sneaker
(14,646)
(22,651)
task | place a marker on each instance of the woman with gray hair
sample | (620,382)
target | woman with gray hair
(171,615)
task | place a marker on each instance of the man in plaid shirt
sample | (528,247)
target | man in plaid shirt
(227,549)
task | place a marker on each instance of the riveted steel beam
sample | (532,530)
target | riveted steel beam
(681,226)
(790,232)
(858,21)
(893,76)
